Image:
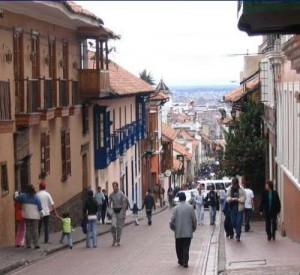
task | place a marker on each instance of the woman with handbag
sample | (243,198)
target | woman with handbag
(90,210)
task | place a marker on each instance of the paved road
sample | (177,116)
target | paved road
(144,250)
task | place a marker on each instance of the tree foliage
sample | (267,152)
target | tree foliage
(147,76)
(245,145)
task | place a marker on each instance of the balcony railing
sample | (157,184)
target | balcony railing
(92,82)
(5,103)
(114,146)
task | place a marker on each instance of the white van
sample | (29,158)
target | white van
(218,184)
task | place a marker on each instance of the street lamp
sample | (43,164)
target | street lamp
(233,113)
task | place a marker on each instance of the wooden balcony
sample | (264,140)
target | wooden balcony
(6,126)
(28,119)
(92,82)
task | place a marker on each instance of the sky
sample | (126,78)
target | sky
(185,43)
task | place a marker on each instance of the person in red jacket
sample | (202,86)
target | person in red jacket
(20,224)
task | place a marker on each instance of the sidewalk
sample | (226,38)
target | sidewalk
(256,255)
(12,258)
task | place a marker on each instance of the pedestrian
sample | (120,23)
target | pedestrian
(249,206)
(183,223)
(48,206)
(118,202)
(66,229)
(222,196)
(162,196)
(199,200)
(20,224)
(100,200)
(135,211)
(170,193)
(32,212)
(104,206)
(90,210)
(213,203)
(270,206)
(149,204)
(227,222)
(236,198)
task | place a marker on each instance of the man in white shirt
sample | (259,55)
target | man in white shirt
(199,200)
(249,206)
(48,206)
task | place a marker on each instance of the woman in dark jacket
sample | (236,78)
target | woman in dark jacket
(90,210)
(270,206)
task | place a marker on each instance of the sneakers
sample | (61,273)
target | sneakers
(118,244)
(114,243)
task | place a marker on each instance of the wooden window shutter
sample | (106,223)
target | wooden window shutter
(4,178)
(68,153)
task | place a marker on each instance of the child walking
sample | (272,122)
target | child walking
(66,229)
(135,211)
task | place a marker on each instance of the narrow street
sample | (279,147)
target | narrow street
(144,250)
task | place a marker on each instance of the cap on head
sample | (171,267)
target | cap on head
(90,193)
(42,185)
(181,196)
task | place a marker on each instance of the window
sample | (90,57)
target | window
(65,154)
(45,153)
(35,55)
(5,100)
(52,58)
(4,178)
(65,60)
(101,131)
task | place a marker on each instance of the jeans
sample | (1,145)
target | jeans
(200,213)
(212,214)
(228,226)
(69,235)
(45,221)
(236,218)
(99,213)
(247,216)
(91,233)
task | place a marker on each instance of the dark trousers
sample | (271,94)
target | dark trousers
(271,224)
(182,250)
(236,218)
(44,220)
(247,216)
(228,226)
(149,215)
(103,213)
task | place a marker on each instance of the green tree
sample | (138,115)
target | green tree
(245,146)
(147,77)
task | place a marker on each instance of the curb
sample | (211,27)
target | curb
(48,252)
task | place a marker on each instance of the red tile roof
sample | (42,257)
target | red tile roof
(77,9)
(241,91)
(181,150)
(168,132)
(159,96)
(185,135)
(123,82)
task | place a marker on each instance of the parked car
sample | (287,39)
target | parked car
(218,184)
(190,195)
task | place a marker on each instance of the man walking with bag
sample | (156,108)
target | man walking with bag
(118,202)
